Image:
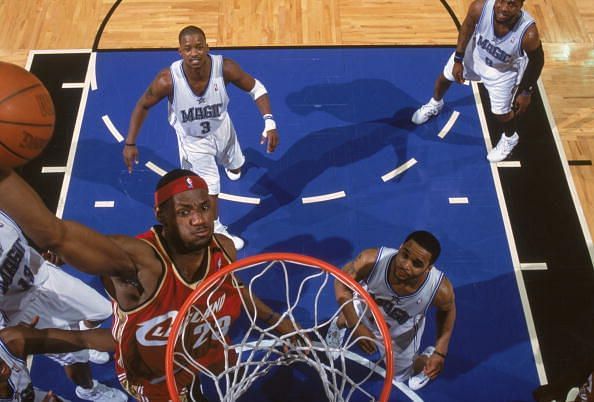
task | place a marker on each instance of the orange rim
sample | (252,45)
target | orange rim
(256,259)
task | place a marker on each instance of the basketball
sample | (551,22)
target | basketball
(26,116)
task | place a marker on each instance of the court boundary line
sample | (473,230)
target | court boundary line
(565,164)
(533,337)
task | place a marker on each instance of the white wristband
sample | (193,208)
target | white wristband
(269,124)
(258,90)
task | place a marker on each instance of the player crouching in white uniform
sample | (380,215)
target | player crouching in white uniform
(404,283)
(32,287)
(499,45)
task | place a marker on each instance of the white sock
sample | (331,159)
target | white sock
(436,102)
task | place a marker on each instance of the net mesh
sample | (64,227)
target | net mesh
(204,342)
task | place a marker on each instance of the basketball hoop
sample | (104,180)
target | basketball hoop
(200,341)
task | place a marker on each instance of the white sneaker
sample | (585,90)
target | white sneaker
(334,338)
(427,111)
(503,148)
(98,357)
(101,392)
(418,381)
(233,176)
(222,229)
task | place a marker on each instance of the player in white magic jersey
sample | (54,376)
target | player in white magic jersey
(404,284)
(33,287)
(499,45)
(196,89)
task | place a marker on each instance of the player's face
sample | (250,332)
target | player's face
(411,262)
(193,50)
(190,219)
(507,10)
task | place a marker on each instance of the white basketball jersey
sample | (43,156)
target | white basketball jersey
(19,381)
(197,116)
(495,55)
(404,314)
(21,267)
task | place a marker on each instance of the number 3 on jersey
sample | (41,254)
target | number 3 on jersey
(219,329)
(205,126)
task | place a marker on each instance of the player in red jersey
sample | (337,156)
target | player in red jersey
(148,277)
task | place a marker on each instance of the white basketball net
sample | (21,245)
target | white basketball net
(259,349)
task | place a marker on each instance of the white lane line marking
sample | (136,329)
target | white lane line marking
(324,197)
(458,200)
(155,168)
(534,266)
(68,85)
(75,136)
(399,170)
(53,169)
(104,204)
(238,198)
(112,129)
(538,362)
(93,71)
(448,126)
(509,164)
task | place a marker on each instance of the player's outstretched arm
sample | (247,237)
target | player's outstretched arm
(446,317)
(232,72)
(23,340)
(78,245)
(358,269)
(161,87)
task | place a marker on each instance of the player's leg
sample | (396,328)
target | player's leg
(501,95)
(435,104)
(62,301)
(78,303)
(231,156)
(205,165)
(442,84)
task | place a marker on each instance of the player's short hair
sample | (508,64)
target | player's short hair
(428,242)
(190,30)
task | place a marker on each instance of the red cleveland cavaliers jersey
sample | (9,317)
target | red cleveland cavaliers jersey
(142,333)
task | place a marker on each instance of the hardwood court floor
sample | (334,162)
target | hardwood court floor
(566,28)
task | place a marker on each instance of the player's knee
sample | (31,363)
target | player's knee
(504,118)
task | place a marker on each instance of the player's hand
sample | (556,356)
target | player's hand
(272,137)
(52,257)
(287,326)
(458,73)
(434,366)
(130,156)
(365,339)
(522,102)
(51,397)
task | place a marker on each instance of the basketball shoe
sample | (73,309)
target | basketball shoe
(222,229)
(419,380)
(503,148)
(233,176)
(334,338)
(101,392)
(427,111)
